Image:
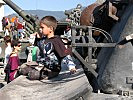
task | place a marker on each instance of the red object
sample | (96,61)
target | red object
(19,25)
(14,66)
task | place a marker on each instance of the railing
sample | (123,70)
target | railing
(91,44)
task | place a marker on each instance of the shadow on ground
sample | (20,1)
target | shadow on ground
(1,85)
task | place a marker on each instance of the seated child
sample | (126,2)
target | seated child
(52,52)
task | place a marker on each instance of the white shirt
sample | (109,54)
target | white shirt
(8,51)
(0,50)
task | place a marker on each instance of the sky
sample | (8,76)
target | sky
(49,5)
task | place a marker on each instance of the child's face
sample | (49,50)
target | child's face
(45,29)
(18,47)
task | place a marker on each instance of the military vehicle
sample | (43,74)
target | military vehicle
(95,33)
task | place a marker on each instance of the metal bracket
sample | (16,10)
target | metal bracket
(129,80)
(126,93)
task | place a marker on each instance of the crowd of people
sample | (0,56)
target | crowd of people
(14,27)
(46,55)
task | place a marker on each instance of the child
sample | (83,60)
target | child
(54,51)
(13,62)
(8,50)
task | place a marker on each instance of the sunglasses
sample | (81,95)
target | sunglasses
(19,45)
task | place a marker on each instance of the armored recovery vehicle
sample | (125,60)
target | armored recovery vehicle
(90,51)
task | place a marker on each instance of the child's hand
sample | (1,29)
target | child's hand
(121,46)
(73,70)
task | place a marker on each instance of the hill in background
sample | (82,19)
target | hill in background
(59,15)
(41,13)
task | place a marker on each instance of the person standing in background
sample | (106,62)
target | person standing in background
(20,30)
(8,26)
(4,24)
(13,25)
(13,61)
(8,50)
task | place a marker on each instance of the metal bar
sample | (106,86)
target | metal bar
(94,44)
(85,63)
(79,27)
(73,34)
(129,80)
(90,47)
